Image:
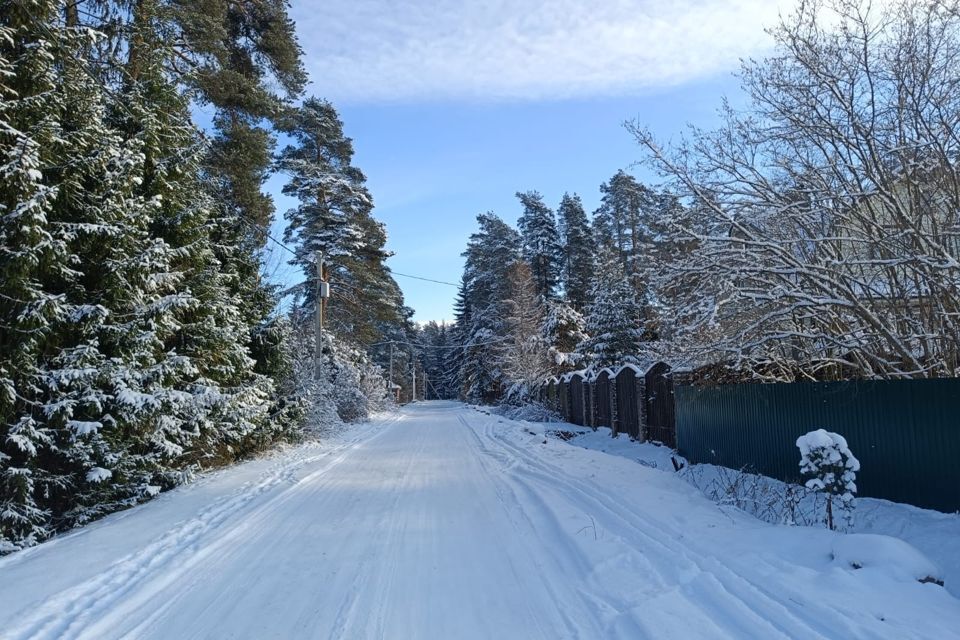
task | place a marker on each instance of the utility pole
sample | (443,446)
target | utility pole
(391,366)
(322,293)
(413,369)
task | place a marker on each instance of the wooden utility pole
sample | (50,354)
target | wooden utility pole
(391,366)
(413,369)
(318,351)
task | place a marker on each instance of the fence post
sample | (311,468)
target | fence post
(585,399)
(592,393)
(614,413)
(641,383)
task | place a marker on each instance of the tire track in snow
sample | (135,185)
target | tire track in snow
(740,593)
(253,542)
(67,614)
(370,572)
(528,530)
(665,538)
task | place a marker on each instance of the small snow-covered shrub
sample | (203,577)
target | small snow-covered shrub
(769,500)
(832,469)
(529,412)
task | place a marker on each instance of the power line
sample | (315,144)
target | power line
(406,275)
(293,253)
(261,229)
(438,346)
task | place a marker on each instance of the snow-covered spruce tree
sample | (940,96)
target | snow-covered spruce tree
(578,251)
(564,329)
(541,243)
(613,318)
(274,348)
(524,353)
(83,263)
(491,250)
(101,301)
(459,334)
(437,337)
(479,369)
(32,313)
(242,60)
(826,459)
(213,397)
(826,209)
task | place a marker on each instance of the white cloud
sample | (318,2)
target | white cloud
(407,50)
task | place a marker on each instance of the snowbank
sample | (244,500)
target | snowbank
(884,554)
(934,534)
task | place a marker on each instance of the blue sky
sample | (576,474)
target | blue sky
(453,107)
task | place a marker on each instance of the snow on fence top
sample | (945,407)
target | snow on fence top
(592,373)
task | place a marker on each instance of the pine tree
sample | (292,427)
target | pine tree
(541,242)
(335,217)
(630,221)
(579,251)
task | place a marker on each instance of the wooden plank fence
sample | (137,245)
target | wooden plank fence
(620,398)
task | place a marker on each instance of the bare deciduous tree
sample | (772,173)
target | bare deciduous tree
(821,237)
(525,353)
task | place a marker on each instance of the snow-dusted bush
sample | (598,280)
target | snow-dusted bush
(528,412)
(769,500)
(347,387)
(832,469)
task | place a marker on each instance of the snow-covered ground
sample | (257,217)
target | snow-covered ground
(935,534)
(445,522)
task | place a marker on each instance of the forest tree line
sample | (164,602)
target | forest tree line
(814,235)
(139,338)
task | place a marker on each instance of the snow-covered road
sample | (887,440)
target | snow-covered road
(445,522)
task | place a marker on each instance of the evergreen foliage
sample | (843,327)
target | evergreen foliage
(541,243)
(139,341)
(490,253)
(564,329)
(578,251)
(613,318)
(438,339)
(334,217)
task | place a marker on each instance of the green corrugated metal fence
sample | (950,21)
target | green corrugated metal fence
(906,433)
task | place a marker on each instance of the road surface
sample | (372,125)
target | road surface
(448,523)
